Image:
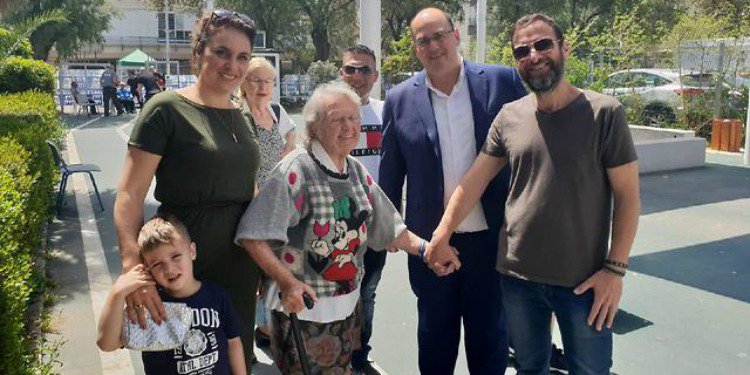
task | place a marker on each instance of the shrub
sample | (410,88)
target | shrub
(14,45)
(19,236)
(322,72)
(27,178)
(30,119)
(18,74)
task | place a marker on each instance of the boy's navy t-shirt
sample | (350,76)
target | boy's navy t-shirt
(205,351)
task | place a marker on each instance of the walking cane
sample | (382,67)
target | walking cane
(304,361)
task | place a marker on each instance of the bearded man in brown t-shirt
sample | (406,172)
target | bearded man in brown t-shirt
(570,153)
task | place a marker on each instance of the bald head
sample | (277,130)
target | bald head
(431,15)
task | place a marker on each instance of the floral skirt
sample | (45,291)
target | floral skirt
(329,345)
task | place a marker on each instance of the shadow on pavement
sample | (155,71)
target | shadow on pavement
(710,184)
(721,267)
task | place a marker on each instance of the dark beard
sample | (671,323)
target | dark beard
(547,83)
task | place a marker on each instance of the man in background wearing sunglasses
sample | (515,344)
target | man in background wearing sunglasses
(358,71)
(434,125)
(570,152)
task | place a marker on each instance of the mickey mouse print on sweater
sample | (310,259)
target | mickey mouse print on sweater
(334,254)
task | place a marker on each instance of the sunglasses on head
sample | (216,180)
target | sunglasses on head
(540,45)
(222,15)
(348,69)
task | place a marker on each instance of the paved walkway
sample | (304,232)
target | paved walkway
(686,308)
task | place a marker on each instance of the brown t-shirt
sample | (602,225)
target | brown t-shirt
(558,211)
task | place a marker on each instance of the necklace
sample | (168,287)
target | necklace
(228,126)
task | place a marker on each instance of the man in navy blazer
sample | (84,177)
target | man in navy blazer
(435,123)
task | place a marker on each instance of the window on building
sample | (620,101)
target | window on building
(178,33)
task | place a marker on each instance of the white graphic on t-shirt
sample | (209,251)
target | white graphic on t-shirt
(200,352)
(195,343)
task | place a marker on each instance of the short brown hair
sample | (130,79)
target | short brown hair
(534,17)
(207,26)
(161,230)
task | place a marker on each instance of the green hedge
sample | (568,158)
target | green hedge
(11,45)
(27,179)
(18,227)
(18,74)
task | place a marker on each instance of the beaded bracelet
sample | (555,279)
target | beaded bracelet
(613,270)
(615,263)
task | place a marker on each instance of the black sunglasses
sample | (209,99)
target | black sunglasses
(540,45)
(348,69)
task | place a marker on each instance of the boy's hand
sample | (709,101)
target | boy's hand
(136,278)
(141,296)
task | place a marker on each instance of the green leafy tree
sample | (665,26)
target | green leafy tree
(736,12)
(402,60)
(321,15)
(86,21)
(15,36)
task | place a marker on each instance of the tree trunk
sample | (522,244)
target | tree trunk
(322,45)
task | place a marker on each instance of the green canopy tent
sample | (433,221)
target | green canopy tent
(135,59)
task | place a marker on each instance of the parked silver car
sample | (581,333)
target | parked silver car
(661,91)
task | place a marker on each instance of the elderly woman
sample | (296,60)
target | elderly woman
(275,130)
(276,137)
(308,229)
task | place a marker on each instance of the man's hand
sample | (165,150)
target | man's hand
(441,258)
(607,292)
(291,295)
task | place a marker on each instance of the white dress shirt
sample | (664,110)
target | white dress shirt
(455,125)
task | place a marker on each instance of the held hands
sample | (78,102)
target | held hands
(291,295)
(607,292)
(141,293)
(441,258)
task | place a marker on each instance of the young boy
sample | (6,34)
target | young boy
(213,344)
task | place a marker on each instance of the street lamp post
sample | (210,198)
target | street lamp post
(481,30)
(166,34)
(369,34)
(747,132)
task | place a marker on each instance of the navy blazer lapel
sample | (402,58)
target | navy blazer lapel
(478,88)
(424,108)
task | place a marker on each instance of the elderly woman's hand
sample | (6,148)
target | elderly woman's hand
(291,295)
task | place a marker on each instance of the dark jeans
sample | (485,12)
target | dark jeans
(374,262)
(470,295)
(110,93)
(129,105)
(529,307)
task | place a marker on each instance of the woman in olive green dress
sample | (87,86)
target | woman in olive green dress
(204,156)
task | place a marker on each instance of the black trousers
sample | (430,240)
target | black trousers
(110,93)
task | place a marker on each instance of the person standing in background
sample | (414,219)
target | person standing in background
(108,81)
(359,72)
(276,138)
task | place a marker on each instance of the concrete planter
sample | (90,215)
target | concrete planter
(667,149)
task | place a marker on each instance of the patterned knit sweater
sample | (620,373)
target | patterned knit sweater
(320,223)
